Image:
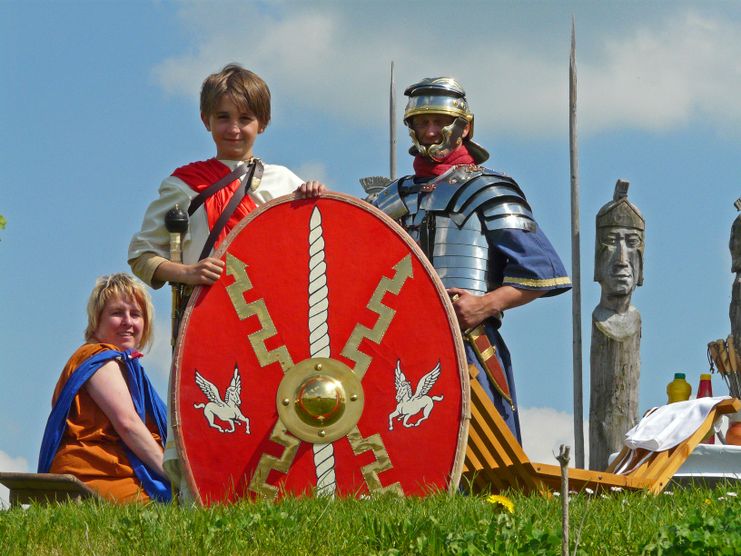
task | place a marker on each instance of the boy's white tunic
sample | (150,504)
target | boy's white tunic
(151,246)
(153,238)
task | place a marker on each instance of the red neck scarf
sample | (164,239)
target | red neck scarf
(200,175)
(427,168)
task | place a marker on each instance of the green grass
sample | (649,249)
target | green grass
(689,521)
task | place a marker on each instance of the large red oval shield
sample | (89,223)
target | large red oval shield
(326,359)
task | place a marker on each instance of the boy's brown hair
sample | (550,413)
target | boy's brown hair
(245,88)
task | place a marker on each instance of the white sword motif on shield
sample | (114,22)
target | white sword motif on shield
(319,340)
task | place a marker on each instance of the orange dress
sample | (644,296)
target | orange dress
(91,449)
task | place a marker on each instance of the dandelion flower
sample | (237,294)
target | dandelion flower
(502,501)
(708,501)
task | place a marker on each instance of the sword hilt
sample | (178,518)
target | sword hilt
(479,328)
(176,222)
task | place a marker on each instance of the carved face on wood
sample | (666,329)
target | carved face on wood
(619,261)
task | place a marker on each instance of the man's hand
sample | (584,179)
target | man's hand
(311,189)
(471,310)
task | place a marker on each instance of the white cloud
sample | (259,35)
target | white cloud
(665,76)
(313,171)
(9,463)
(332,59)
(544,430)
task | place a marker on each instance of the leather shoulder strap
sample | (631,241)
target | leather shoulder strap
(255,174)
(199,199)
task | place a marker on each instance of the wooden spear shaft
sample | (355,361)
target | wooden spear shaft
(392,125)
(575,261)
(563,460)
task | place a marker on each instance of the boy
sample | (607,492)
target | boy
(235,109)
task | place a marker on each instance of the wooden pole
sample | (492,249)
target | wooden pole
(575,261)
(392,125)
(563,460)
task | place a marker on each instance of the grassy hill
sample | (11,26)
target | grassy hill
(682,521)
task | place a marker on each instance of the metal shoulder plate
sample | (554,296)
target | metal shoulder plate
(469,189)
(390,200)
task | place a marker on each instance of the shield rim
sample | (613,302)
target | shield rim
(465,417)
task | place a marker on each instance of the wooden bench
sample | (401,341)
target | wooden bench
(495,461)
(44,488)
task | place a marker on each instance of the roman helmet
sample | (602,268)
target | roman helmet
(442,95)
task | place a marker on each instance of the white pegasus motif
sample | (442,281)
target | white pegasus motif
(226,410)
(407,405)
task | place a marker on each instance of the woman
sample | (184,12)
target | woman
(107,425)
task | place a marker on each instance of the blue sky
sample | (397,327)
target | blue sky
(99,104)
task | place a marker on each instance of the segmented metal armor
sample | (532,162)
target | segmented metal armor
(455,219)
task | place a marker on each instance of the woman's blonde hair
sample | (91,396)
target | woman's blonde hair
(120,286)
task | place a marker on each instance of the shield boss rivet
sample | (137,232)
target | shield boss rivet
(318,393)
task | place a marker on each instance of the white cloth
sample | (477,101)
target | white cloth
(153,236)
(670,424)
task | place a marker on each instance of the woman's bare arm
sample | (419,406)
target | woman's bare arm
(109,390)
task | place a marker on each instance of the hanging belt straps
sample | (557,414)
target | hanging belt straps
(254,172)
(235,174)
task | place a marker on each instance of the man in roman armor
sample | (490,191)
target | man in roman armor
(476,228)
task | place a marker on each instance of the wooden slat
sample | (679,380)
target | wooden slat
(480,461)
(493,451)
(44,487)
(579,479)
(502,448)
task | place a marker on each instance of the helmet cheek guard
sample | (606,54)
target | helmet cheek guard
(452,138)
(445,96)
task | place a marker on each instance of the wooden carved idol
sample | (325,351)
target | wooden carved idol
(616,326)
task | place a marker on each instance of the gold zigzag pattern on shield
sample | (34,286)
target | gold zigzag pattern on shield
(385,315)
(242,284)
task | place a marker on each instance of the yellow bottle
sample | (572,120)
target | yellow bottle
(678,389)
